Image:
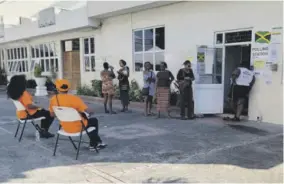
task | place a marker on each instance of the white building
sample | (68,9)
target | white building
(77,42)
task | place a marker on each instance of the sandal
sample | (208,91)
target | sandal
(235,119)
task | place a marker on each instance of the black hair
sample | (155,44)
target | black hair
(123,62)
(186,62)
(164,63)
(16,87)
(148,62)
(106,65)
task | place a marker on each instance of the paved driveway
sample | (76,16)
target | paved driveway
(146,150)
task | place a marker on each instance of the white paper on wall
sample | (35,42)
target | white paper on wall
(209,60)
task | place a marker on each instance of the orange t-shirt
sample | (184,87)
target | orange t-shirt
(68,100)
(26,99)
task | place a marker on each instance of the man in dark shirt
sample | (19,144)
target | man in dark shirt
(185,77)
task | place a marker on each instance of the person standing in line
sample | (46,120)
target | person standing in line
(164,80)
(242,81)
(107,77)
(148,90)
(185,77)
(123,75)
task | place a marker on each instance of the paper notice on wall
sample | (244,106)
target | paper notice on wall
(276,35)
(267,76)
(273,55)
(259,65)
(209,60)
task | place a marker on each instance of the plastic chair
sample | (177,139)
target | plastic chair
(21,107)
(70,115)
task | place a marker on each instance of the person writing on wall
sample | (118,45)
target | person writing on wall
(16,90)
(185,77)
(242,81)
(63,99)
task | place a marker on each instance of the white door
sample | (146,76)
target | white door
(208,87)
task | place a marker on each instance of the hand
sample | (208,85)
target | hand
(111,67)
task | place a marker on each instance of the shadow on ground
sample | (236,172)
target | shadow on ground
(135,141)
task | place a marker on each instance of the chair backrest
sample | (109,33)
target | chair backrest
(19,105)
(66,114)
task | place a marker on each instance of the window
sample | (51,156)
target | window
(17,60)
(219,38)
(236,37)
(89,54)
(45,55)
(149,46)
(216,76)
(2,62)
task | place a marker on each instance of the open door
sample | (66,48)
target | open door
(209,88)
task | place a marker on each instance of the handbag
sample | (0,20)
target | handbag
(146,90)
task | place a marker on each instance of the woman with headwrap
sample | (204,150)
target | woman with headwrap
(16,90)
(123,75)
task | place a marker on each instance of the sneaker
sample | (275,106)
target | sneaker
(92,148)
(101,146)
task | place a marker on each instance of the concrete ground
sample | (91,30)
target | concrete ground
(146,150)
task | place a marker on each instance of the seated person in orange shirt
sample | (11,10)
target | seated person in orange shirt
(63,99)
(16,90)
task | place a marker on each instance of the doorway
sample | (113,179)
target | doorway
(234,55)
(71,62)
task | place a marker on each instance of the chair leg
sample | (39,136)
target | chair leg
(79,145)
(22,131)
(73,143)
(55,147)
(19,123)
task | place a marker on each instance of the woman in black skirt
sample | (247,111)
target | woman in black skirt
(123,75)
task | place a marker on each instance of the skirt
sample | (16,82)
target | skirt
(124,97)
(163,99)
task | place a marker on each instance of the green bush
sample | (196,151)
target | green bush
(37,70)
(97,87)
(135,93)
(3,77)
(85,90)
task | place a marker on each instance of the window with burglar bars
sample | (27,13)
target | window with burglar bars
(46,56)
(17,60)
(149,46)
(89,54)
(2,61)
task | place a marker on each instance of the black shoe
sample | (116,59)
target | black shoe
(183,118)
(46,135)
(106,111)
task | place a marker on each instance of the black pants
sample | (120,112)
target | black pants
(45,123)
(94,135)
(186,101)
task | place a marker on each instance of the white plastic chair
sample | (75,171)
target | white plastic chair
(21,107)
(70,115)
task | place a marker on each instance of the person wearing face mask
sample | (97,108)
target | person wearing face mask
(185,77)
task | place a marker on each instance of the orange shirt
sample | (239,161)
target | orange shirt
(26,99)
(68,100)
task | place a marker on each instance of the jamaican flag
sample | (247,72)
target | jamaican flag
(262,37)
(200,56)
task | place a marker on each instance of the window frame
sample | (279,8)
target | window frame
(17,62)
(37,57)
(143,52)
(89,55)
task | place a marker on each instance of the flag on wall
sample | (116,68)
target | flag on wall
(262,37)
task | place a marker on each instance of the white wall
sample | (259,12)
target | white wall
(66,20)
(189,24)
